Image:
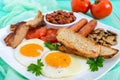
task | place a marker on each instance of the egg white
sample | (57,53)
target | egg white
(25,60)
(78,65)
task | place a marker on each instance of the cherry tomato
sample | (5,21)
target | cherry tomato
(101,9)
(30,34)
(80,5)
(51,38)
(43,33)
(44,38)
(51,30)
(40,32)
(51,35)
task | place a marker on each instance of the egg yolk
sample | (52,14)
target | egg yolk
(31,50)
(58,60)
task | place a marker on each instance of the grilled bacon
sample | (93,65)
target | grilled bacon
(19,30)
(17,35)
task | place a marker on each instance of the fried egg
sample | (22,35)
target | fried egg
(29,51)
(60,65)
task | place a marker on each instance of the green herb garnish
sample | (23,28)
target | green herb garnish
(51,46)
(94,64)
(36,68)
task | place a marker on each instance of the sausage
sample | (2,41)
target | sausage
(88,28)
(76,27)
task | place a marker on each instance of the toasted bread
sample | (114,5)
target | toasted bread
(105,52)
(108,52)
(78,44)
(71,41)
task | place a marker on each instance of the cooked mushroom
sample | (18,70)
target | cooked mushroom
(106,38)
(111,33)
(111,40)
(98,30)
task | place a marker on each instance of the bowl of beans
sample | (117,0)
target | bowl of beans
(60,18)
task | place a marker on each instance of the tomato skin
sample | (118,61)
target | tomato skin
(101,9)
(44,38)
(80,5)
(43,33)
(51,31)
(51,35)
(40,32)
(30,34)
(51,39)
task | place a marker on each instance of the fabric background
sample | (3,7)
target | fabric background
(12,11)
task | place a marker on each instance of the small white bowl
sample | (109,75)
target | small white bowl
(56,26)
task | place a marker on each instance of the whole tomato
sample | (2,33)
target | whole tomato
(80,5)
(101,8)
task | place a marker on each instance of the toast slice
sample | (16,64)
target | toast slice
(108,52)
(105,52)
(78,44)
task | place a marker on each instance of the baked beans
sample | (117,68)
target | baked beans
(60,17)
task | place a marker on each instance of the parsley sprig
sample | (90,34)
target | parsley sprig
(36,68)
(51,46)
(94,64)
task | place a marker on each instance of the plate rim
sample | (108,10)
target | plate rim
(87,17)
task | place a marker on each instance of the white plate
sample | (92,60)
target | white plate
(8,57)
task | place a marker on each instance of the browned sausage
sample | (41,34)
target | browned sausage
(76,27)
(88,28)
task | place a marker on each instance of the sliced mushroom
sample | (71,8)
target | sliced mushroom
(101,34)
(106,44)
(98,30)
(111,33)
(111,40)
(106,38)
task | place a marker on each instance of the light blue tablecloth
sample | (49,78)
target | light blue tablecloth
(12,11)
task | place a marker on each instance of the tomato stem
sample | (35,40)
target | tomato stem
(97,1)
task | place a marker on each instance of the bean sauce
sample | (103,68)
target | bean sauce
(60,17)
